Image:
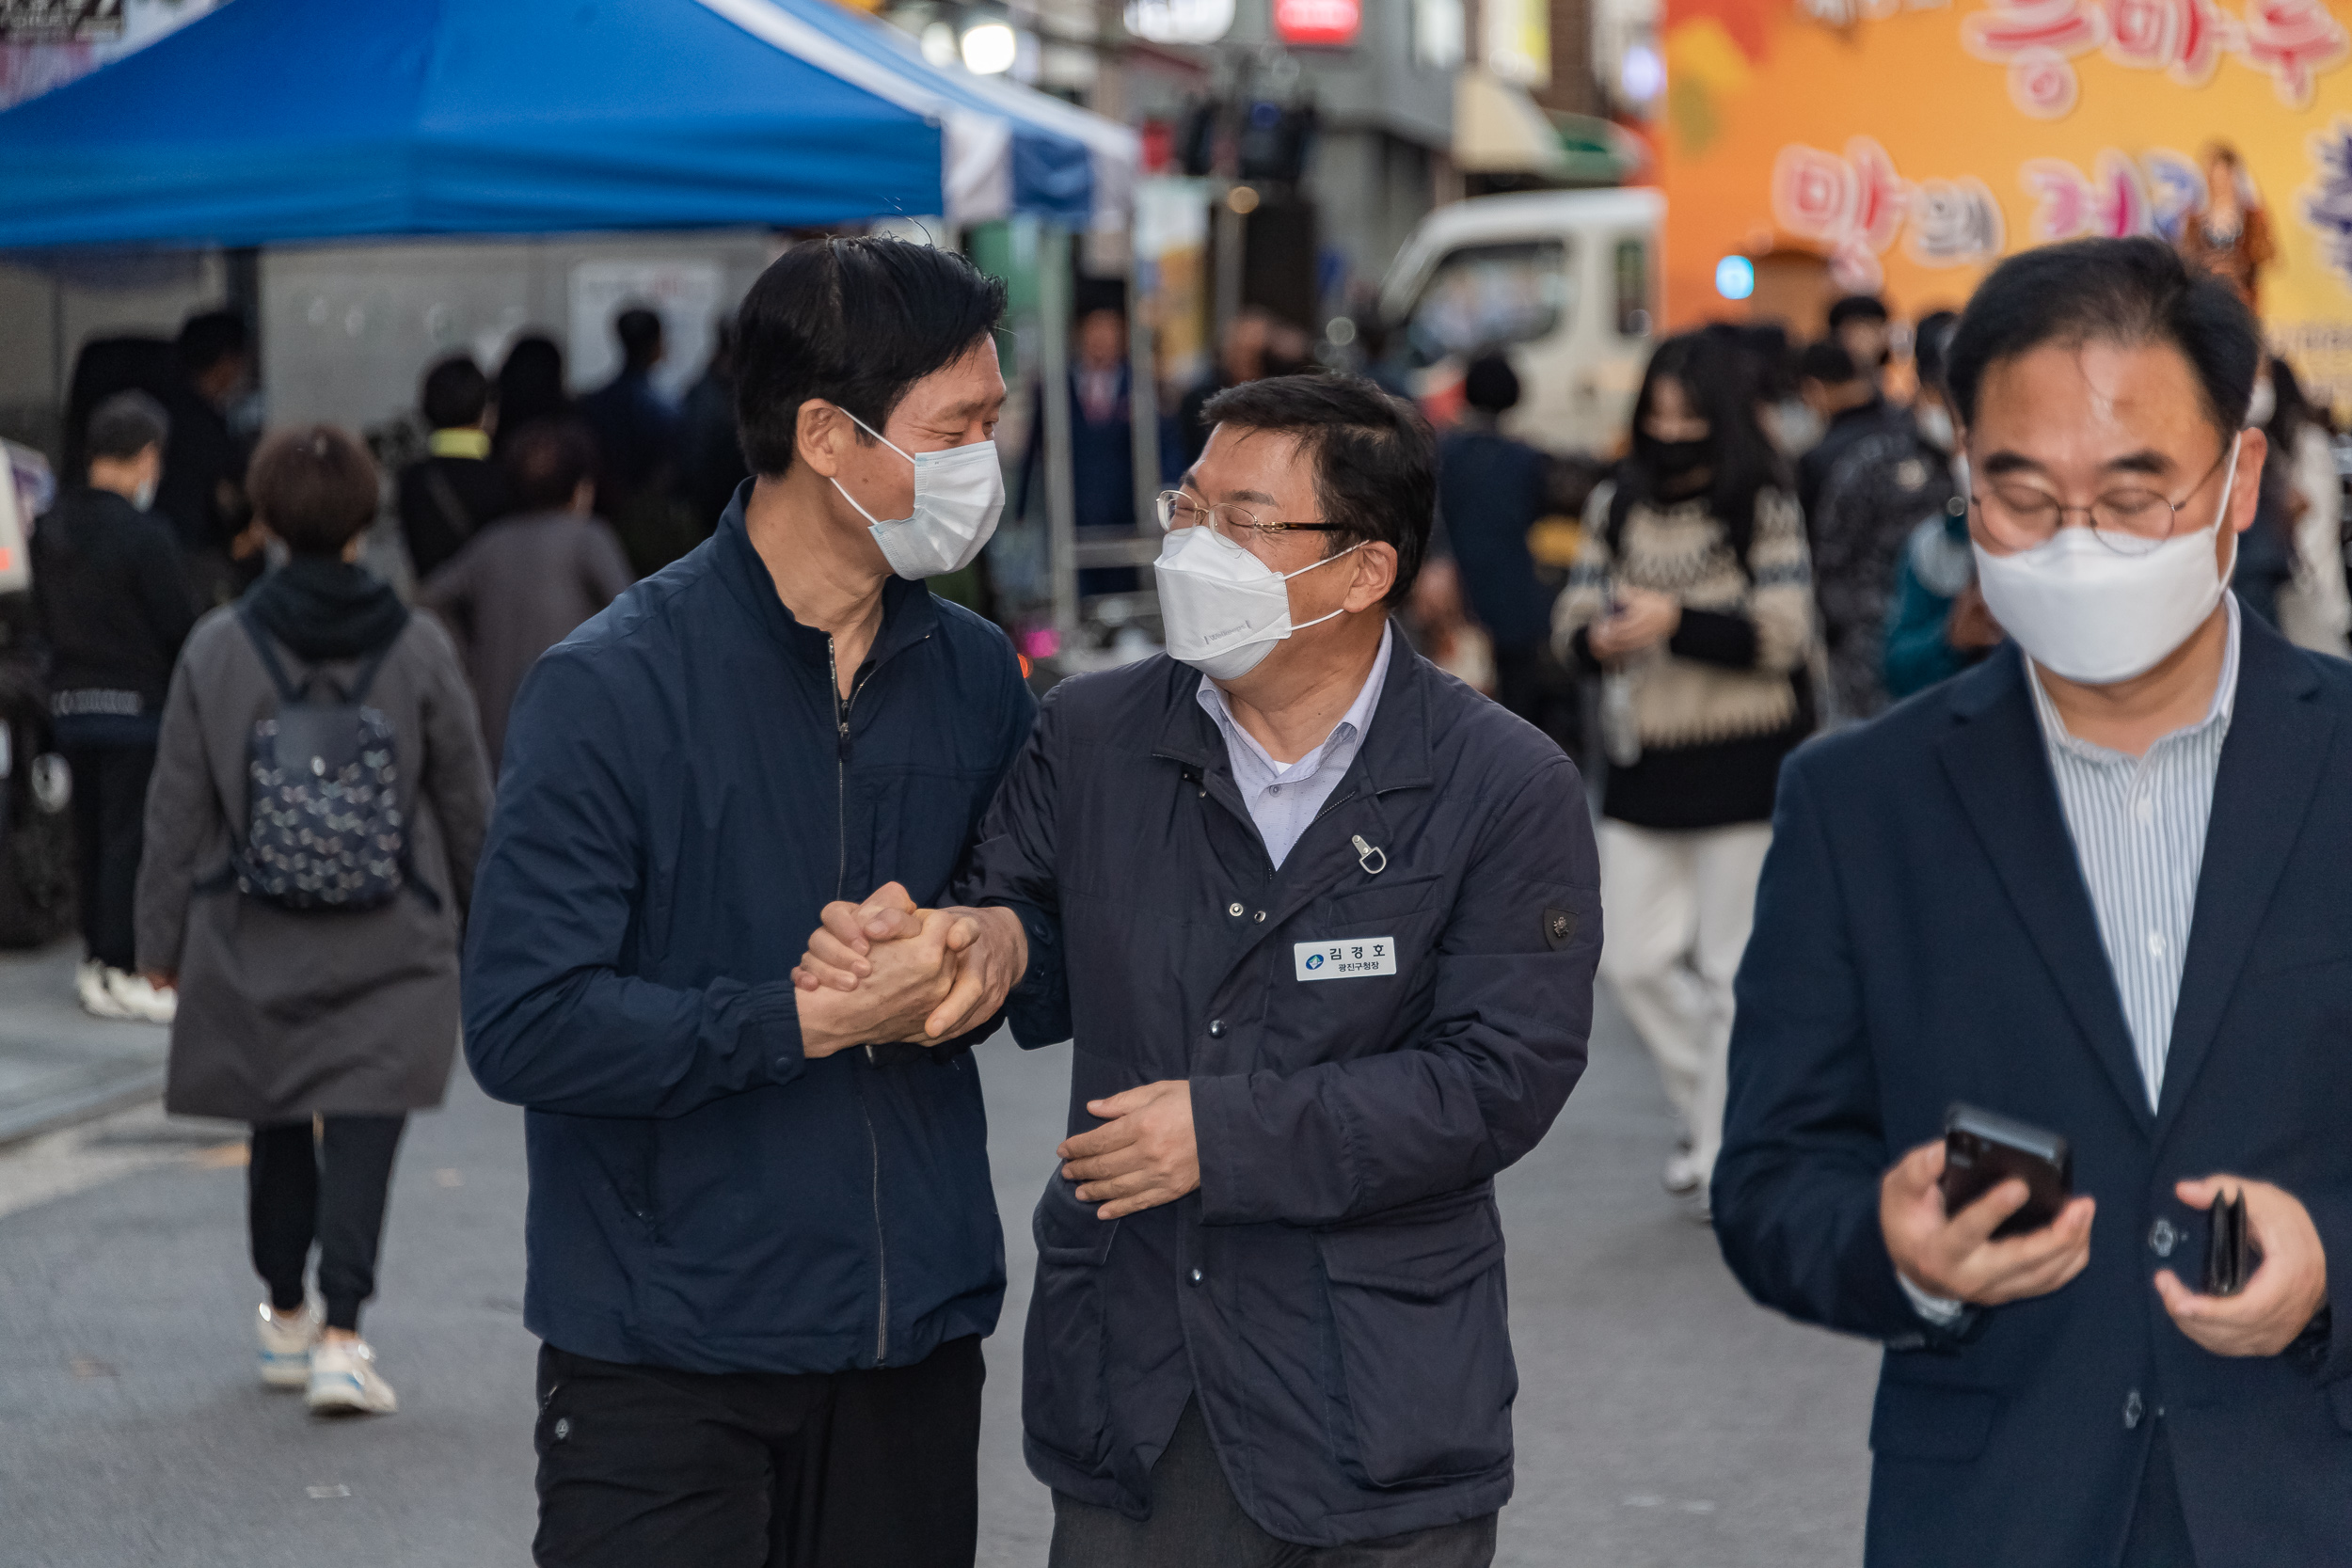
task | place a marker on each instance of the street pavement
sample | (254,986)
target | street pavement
(1662,1421)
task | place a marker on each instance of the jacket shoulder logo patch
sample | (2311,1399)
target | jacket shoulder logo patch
(1559,927)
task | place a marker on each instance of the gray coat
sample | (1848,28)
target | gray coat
(286,1014)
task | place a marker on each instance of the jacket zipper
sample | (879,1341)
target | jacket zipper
(841,706)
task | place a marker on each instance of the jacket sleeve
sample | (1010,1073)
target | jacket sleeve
(1013,866)
(457,774)
(1504,1044)
(1796,1188)
(182,810)
(165,594)
(552,1021)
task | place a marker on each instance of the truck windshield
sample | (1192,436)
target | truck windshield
(1485,296)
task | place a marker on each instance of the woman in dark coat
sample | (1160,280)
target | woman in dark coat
(290,1017)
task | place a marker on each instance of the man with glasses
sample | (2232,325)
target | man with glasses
(2096,885)
(1323,922)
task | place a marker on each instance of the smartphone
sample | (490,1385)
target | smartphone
(1983,1148)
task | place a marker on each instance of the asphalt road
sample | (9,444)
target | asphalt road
(1662,1421)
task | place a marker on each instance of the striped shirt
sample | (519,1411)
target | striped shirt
(1284,797)
(2139,827)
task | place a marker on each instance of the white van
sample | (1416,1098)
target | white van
(1565,281)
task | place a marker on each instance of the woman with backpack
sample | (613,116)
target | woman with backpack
(1691,598)
(319,800)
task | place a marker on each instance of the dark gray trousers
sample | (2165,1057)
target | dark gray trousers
(1196,1522)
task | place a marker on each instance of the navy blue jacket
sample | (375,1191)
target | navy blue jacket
(1491,489)
(680,799)
(1333,1293)
(1923,934)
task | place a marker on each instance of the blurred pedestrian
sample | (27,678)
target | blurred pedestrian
(530,388)
(1847,401)
(763,1244)
(1692,599)
(112,605)
(202,490)
(1102,444)
(1936,623)
(2299,475)
(636,428)
(527,582)
(1241,358)
(317,807)
(1880,491)
(710,453)
(2231,237)
(1859,325)
(2073,887)
(1491,489)
(450,493)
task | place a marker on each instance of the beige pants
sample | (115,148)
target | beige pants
(1676,910)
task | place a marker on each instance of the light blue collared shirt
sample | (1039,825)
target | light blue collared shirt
(1284,797)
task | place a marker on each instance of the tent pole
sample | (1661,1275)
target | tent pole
(1061,498)
(1143,382)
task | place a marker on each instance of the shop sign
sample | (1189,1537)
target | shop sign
(1318,22)
(1179,21)
(59,21)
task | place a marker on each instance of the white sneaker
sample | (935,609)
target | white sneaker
(141,999)
(1682,1173)
(98,998)
(286,1344)
(344,1382)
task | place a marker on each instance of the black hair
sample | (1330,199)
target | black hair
(1771,358)
(546,461)
(530,384)
(455,394)
(1828,363)
(640,332)
(314,486)
(1718,375)
(1376,458)
(1491,385)
(1857,308)
(1931,345)
(2130,292)
(209,337)
(856,322)
(125,425)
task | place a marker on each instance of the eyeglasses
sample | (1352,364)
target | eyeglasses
(1178,510)
(2130,521)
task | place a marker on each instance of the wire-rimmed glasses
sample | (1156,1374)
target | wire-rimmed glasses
(1179,510)
(2130,519)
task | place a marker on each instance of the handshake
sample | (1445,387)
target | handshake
(886,970)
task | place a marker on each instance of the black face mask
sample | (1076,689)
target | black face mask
(1679,459)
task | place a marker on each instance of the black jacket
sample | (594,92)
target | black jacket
(478,488)
(108,593)
(1333,1294)
(1923,934)
(680,801)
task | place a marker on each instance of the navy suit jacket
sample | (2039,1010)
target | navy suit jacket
(1924,934)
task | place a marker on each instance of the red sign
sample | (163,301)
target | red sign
(1324,22)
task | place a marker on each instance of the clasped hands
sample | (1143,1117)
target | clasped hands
(886,970)
(1956,1258)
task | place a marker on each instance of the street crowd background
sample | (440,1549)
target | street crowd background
(1786,457)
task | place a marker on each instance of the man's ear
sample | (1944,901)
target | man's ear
(2246,491)
(1375,573)
(818,432)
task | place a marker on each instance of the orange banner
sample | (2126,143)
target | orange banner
(1824,145)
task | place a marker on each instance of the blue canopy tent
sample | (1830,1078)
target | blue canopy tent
(272,121)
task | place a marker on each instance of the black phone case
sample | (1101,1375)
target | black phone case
(1983,1148)
(2229,1252)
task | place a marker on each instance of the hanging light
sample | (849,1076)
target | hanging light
(939,44)
(989,48)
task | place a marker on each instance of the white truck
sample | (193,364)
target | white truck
(1563,281)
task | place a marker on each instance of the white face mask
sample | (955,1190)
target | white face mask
(144,497)
(2264,403)
(2092,614)
(1222,607)
(1935,425)
(959,495)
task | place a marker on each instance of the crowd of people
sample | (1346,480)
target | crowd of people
(779,835)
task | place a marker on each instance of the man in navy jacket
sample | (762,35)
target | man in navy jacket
(2096,884)
(763,1251)
(1323,921)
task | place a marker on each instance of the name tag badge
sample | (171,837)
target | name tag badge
(1346,959)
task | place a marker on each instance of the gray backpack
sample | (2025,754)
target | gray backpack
(324,826)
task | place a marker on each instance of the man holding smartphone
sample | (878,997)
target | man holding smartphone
(2093,885)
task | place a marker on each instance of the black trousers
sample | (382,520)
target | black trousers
(330,1190)
(110,816)
(648,1467)
(1198,1522)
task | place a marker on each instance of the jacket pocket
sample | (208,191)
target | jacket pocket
(1419,1377)
(1065,1347)
(1916,1420)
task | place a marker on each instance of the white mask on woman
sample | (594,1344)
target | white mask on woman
(1223,609)
(2091,614)
(959,495)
